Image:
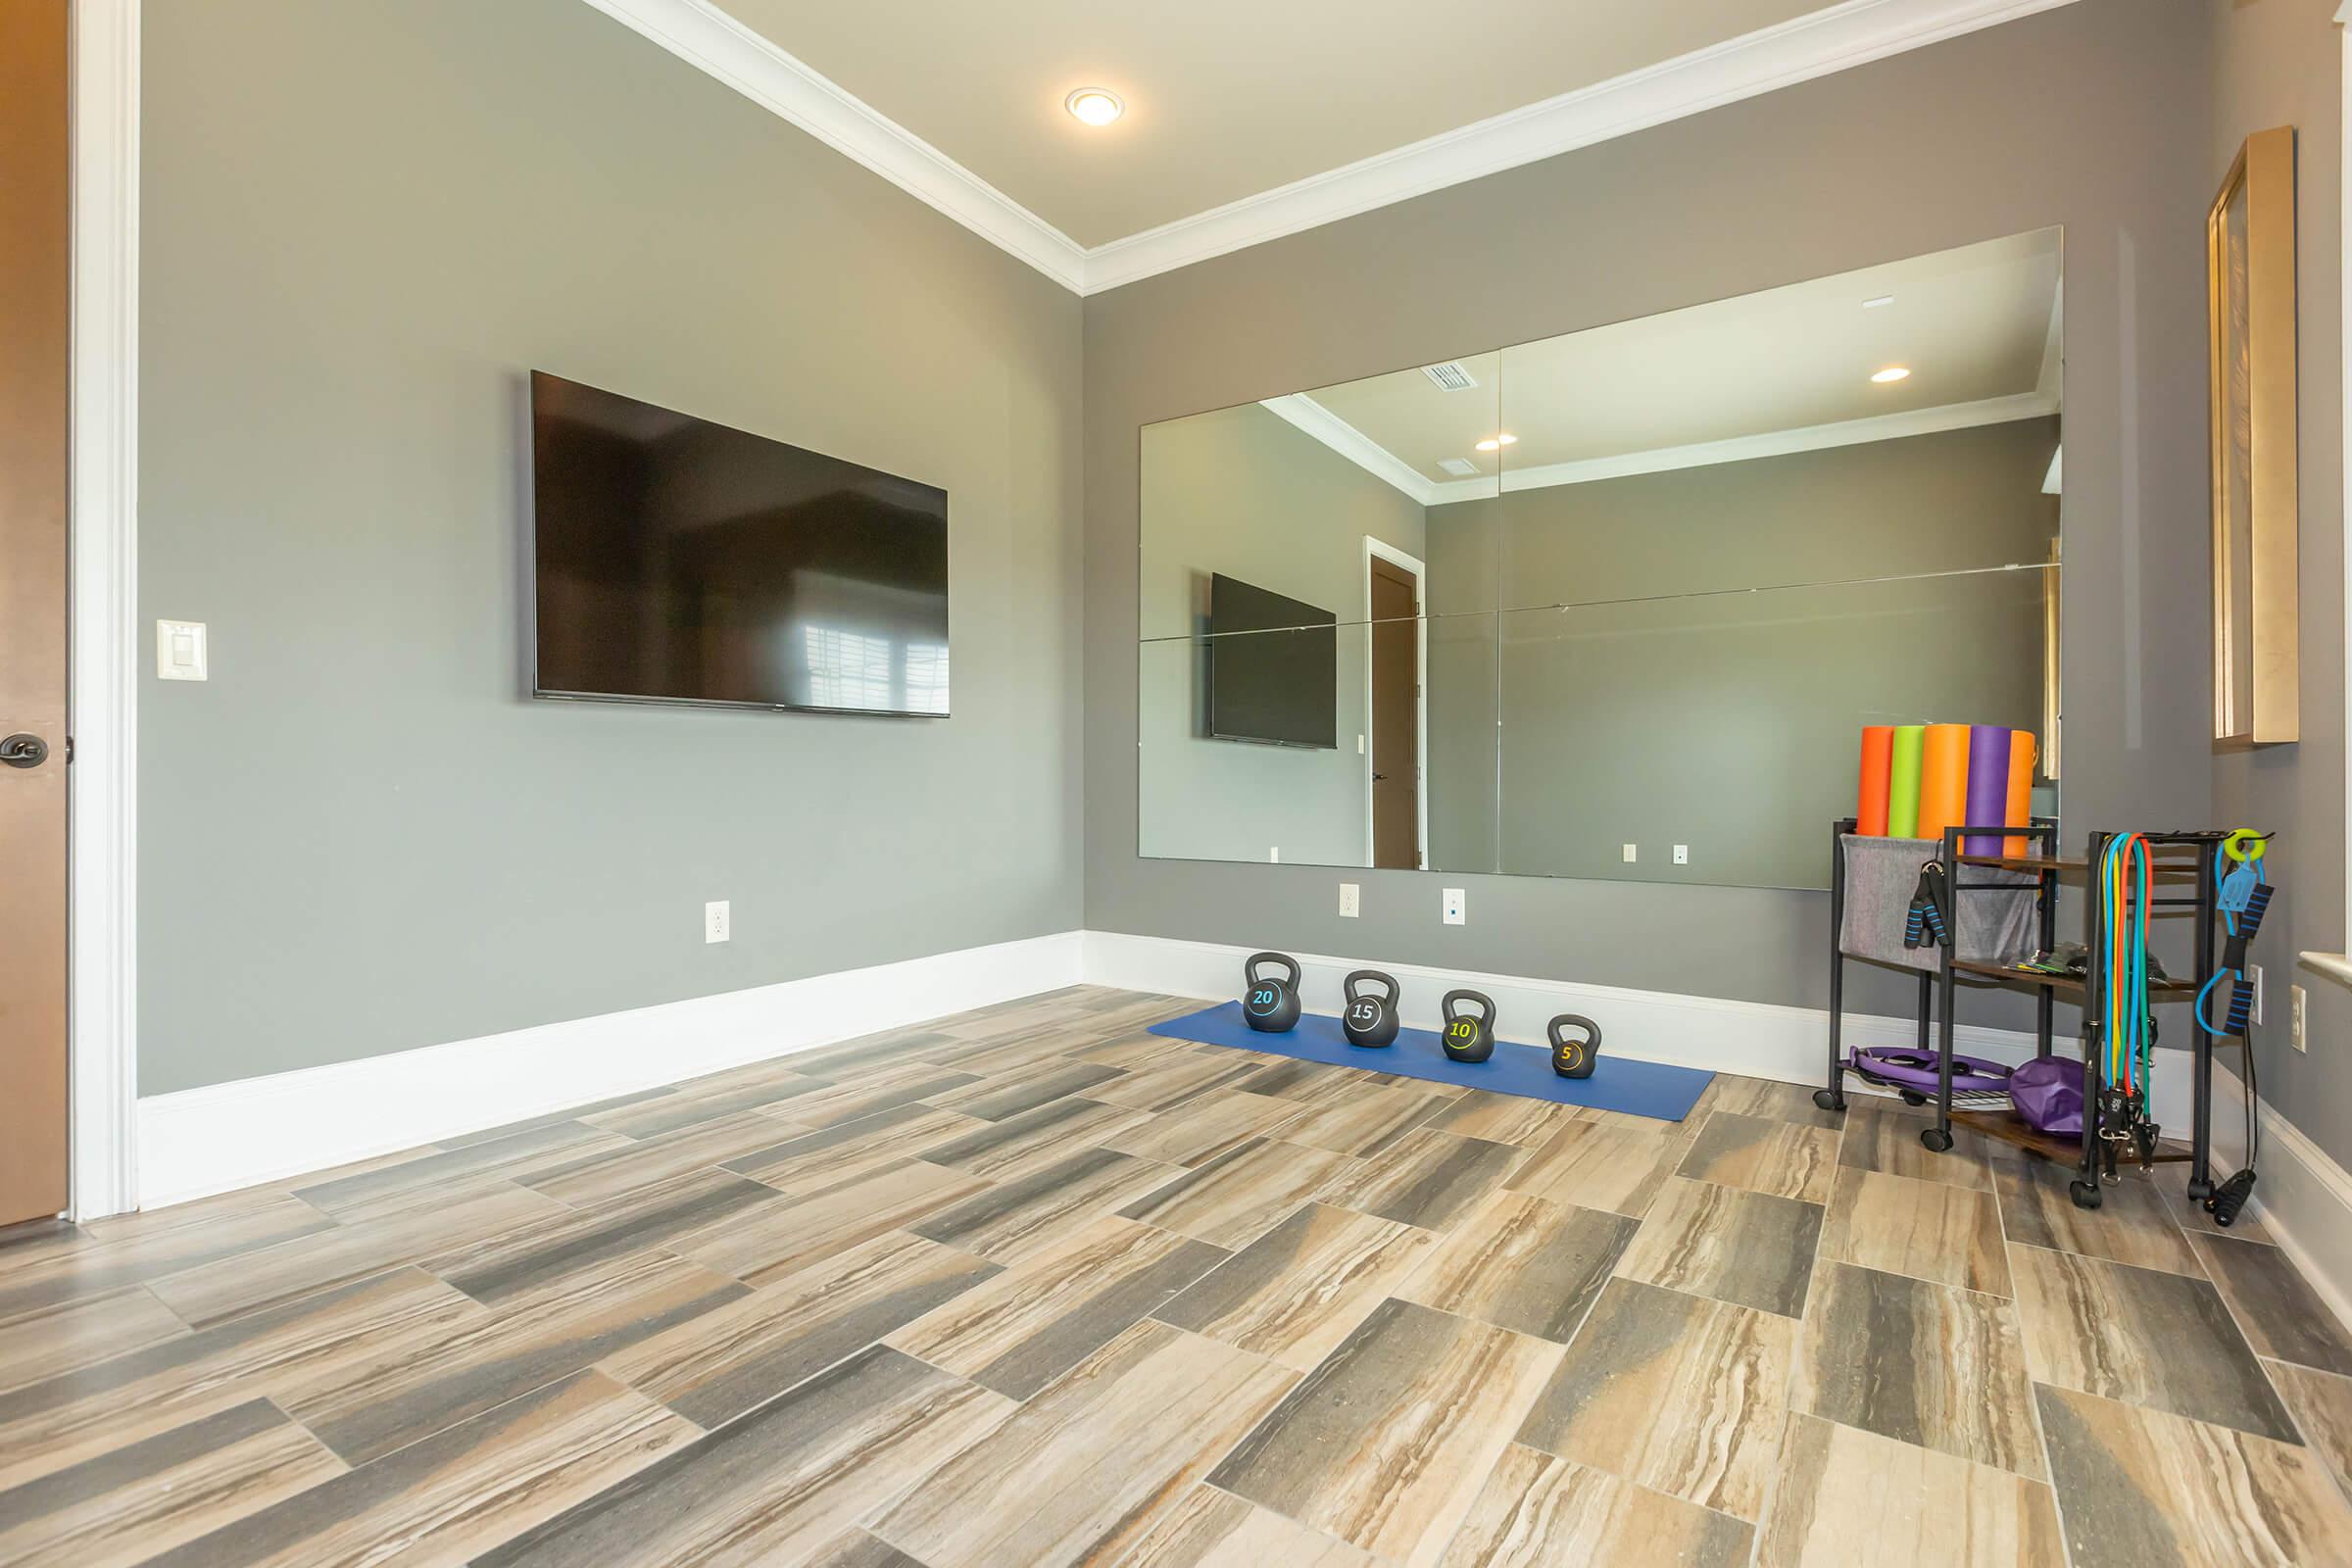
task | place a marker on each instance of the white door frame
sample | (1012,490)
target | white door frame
(1375,549)
(102,656)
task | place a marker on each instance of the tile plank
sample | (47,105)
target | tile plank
(1200,1130)
(1297,1290)
(1600,1165)
(1020,1218)
(83,1332)
(1212,1528)
(1927,1229)
(448,1499)
(1021,1330)
(2132,1224)
(1762,1155)
(1092,1456)
(1847,1496)
(1729,1245)
(830,1157)
(1538,1510)
(1524,1264)
(2140,1486)
(1386,1443)
(2143,1336)
(1233,1200)
(147,1496)
(1680,1395)
(535,1255)
(1924,1363)
(1000,1151)
(715,1367)
(2283,1317)
(1433,1180)
(766,1242)
(778,1481)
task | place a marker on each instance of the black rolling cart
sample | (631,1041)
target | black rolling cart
(2108,1129)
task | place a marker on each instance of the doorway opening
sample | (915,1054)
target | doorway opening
(1396,710)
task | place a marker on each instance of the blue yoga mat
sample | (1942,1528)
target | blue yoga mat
(1637,1088)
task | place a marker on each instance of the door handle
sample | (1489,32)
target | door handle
(1380,778)
(23,751)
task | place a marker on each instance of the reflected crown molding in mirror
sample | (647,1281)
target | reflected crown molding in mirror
(1346,439)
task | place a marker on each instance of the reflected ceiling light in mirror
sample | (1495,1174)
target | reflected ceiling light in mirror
(1095,106)
(1878,303)
(1892,374)
(1496,443)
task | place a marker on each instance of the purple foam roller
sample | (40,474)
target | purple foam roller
(1987,786)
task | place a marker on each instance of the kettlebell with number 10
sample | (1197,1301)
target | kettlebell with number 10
(1467,1038)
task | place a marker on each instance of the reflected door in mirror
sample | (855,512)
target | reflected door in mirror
(1396,742)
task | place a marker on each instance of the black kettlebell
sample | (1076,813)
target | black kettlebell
(1469,1039)
(1572,1057)
(1370,1020)
(1271,1005)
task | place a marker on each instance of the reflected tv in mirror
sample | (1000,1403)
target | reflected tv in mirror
(677,560)
(1273,668)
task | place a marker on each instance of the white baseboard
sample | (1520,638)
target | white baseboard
(214,1140)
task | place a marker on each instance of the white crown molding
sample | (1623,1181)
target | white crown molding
(1835,38)
(1781,443)
(1349,442)
(716,43)
(1359,448)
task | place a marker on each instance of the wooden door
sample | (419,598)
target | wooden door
(33,300)
(1395,716)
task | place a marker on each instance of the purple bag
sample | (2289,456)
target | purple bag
(2047,1093)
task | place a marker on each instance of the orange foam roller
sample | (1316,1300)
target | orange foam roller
(1943,779)
(2021,786)
(1870,800)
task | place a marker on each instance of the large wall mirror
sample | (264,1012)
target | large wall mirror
(1641,585)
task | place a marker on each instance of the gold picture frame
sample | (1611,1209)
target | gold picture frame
(2250,284)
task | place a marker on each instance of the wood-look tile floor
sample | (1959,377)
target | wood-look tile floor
(1030,1287)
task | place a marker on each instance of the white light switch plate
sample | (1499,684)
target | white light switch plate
(180,649)
(715,921)
(1349,892)
(1457,911)
(1631,851)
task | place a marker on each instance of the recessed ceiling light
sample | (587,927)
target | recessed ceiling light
(1496,443)
(1096,105)
(1874,304)
(1893,372)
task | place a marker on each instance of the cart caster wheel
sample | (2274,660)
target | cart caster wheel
(1829,1099)
(2087,1195)
(1910,1099)
(2198,1192)
(1936,1139)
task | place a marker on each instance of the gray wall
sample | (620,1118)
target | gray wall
(362,224)
(1716,721)
(2090,115)
(2279,63)
(1242,491)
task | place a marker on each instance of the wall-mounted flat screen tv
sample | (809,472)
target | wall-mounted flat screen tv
(678,560)
(1273,668)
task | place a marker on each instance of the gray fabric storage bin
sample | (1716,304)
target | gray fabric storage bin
(1880,876)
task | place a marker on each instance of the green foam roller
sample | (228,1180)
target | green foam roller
(1902,782)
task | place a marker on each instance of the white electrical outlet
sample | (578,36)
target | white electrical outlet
(1348,893)
(1456,907)
(714,921)
(1274,853)
(1681,855)
(2254,979)
(2296,1037)
(1632,850)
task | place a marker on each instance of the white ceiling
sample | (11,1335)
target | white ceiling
(1248,122)
(1225,98)
(1977,326)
